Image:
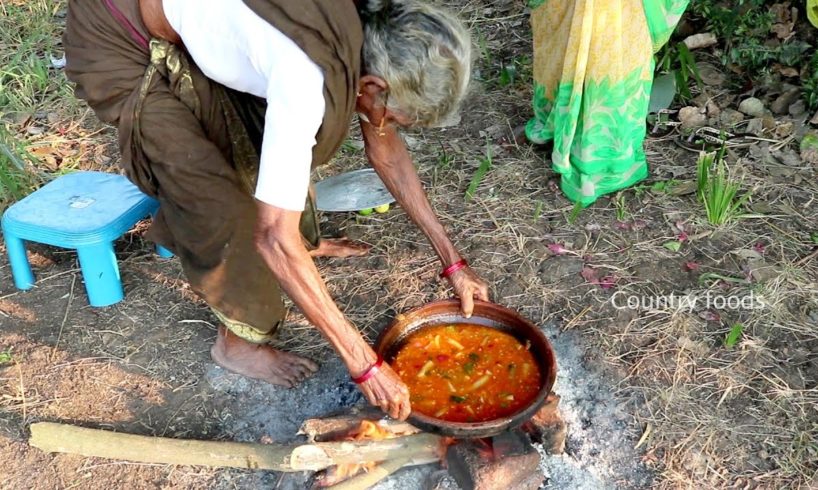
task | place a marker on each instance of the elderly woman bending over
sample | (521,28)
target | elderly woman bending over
(222,111)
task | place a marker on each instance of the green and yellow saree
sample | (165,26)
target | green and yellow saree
(593,71)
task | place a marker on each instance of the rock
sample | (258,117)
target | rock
(784,129)
(814,119)
(559,267)
(799,108)
(411,142)
(752,107)
(761,271)
(441,480)
(710,74)
(473,468)
(692,117)
(788,156)
(713,109)
(701,40)
(755,126)
(547,426)
(782,104)
(730,117)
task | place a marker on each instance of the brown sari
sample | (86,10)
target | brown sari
(193,144)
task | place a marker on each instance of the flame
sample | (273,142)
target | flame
(371,431)
(367,431)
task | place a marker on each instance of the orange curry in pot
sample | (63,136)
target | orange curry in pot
(467,373)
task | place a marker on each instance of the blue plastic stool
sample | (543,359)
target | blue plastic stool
(85,211)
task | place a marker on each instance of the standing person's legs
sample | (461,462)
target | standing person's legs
(593,67)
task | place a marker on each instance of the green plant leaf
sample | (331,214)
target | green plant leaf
(662,93)
(673,246)
(485,165)
(733,335)
(5,357)
(814,237)
(538,210)
(810,142)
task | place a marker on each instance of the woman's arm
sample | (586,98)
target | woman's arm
(279,242)
(389,157)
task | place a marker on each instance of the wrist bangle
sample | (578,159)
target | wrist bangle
(448,271)
(370,371)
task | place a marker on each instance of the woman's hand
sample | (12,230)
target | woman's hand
(386,390)
(468,286)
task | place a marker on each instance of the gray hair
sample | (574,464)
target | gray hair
(422,52)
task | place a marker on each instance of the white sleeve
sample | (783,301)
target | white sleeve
(295,111)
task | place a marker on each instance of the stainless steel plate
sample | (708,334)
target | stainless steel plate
(352,191)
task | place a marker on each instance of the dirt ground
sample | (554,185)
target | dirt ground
(654,396)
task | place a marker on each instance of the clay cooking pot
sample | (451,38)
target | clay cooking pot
(488,315)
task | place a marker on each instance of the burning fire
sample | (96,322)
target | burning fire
(367,431)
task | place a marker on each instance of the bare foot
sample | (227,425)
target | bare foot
(340,247)
(259,361)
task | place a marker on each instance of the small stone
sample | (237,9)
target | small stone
(755,126)
(814,119)
(788,157)
(411,142)
(713,109)
(711,75)
(799,108)
(782,104)
(752,107)
(441,480)
(784,130)
(558,267)
(730,117)
(692,117)
(473,467)
(547,426)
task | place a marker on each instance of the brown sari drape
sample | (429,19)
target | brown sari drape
(193,144)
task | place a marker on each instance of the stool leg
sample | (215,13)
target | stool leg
(163,252)
(160,250)
(20,268)
(101,274)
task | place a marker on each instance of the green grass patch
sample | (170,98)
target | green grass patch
(29,36)
(18,177)
(482,170)
(575,212)
(717,189)
(6,357)
(733,335)
(621,206)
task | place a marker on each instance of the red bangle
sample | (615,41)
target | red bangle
(371,371)
(448,271)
